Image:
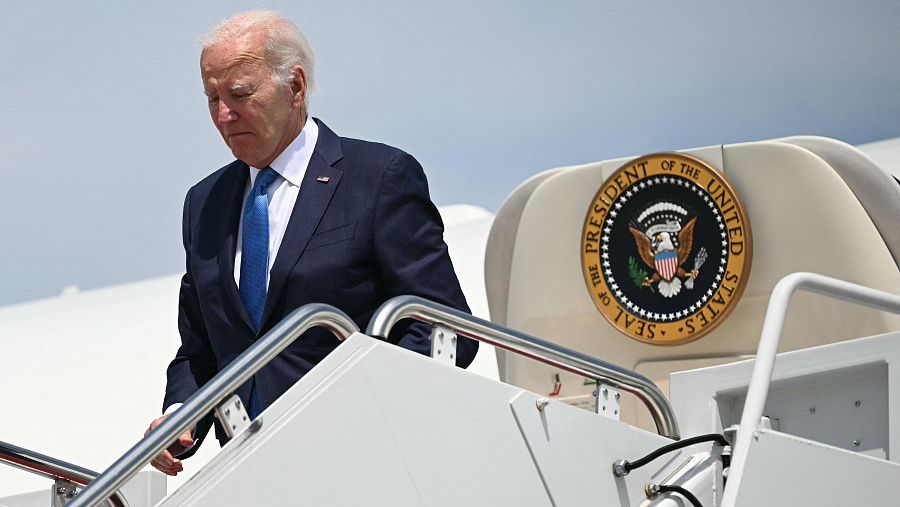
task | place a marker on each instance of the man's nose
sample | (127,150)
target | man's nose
(224,114)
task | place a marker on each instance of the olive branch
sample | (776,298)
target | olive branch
(637,273)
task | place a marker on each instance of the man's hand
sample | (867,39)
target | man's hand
(166,462)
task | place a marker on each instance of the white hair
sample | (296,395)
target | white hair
(285,45)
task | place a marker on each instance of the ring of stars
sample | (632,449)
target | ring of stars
(619,295)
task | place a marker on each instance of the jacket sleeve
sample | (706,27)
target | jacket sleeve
(412,255)
(195,362)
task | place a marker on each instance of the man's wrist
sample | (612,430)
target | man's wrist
(171,408)
(169,411)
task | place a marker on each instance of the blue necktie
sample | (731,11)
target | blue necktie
(255,247)
(255,260)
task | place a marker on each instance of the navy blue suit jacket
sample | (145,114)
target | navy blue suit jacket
(368,234)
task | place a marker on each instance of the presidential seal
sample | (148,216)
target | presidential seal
(666,249)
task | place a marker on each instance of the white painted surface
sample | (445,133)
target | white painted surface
(574,448)
(787,471)
(885,153)
(379,426)
(83,374)
(803,217)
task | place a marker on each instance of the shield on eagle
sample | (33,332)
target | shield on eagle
(666,264)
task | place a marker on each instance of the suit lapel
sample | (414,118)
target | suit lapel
(312,201)
(232,194)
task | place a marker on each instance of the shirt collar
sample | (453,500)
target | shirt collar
(291,164)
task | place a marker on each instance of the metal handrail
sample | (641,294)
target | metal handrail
(403,307)
(215,392)
(769,338)
(52,468)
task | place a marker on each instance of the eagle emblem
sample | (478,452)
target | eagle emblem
(665,248)
(664,245)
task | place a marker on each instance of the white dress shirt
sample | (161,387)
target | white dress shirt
(291,165)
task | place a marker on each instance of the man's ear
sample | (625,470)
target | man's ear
(298,86)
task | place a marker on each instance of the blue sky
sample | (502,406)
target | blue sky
(104,125)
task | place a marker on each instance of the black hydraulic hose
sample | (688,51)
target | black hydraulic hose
(667,488)
(628,466)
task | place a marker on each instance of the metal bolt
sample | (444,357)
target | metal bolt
(441,335)
(619,468)
(604,391)
(856,443)
(453,340)
(812,410)
(618,396)
(237,403)
(541,404)
(857,403)
(451,356)
(227,411)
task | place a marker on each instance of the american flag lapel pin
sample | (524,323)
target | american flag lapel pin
(323,179)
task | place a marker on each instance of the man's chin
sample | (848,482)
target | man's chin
(244,156)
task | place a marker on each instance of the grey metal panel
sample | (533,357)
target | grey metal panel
(845,408)
(707,400)
(455,431)
(783,470)
(574,451)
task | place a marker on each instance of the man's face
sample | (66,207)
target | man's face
(256,117)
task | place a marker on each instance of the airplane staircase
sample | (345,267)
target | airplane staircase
(376,425)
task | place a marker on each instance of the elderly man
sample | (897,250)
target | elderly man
(301,216)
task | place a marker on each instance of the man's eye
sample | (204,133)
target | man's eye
(212,100)
(241,96)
